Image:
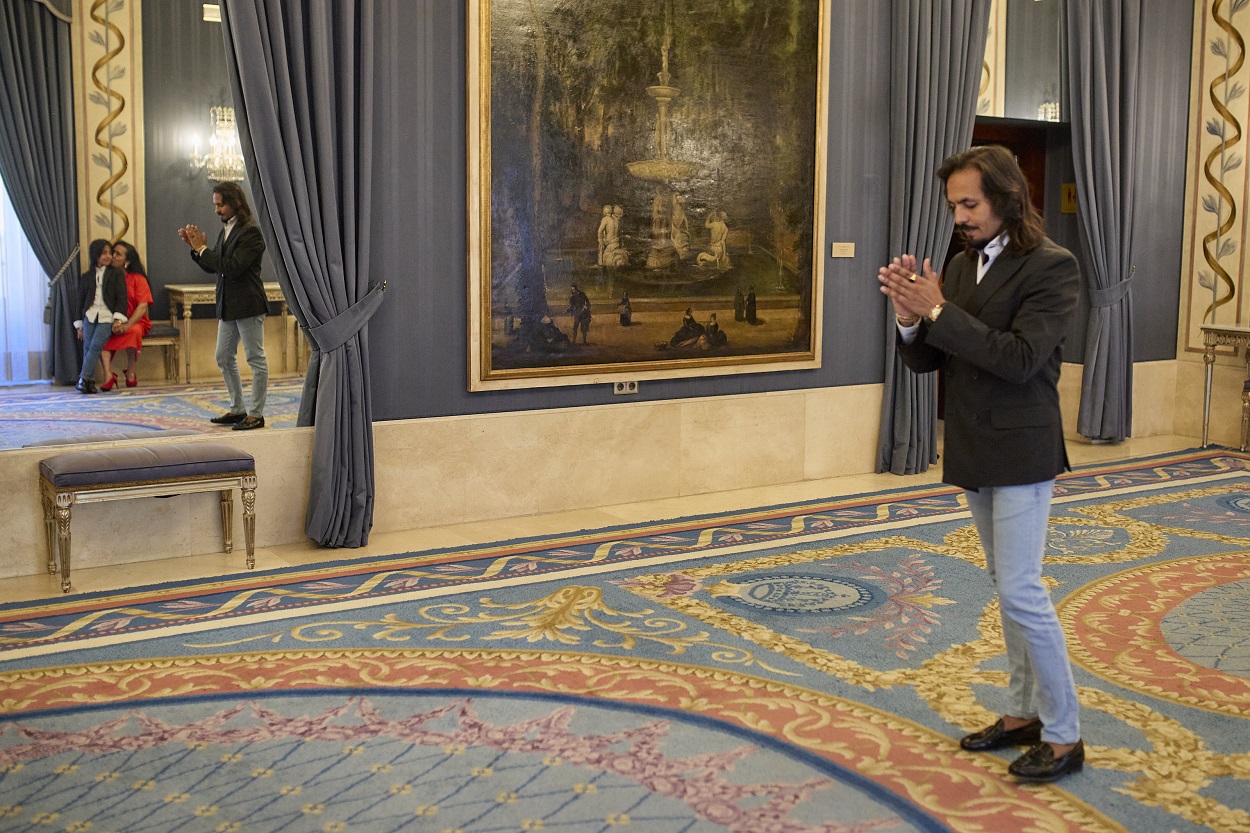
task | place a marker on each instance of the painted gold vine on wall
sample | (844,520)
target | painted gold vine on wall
(113,219)
(1223,159)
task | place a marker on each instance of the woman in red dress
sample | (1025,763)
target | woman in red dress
(128,335)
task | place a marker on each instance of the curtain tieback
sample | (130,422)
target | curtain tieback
(1111,295)
(336,332)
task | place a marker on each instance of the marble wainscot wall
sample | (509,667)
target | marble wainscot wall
(460,469)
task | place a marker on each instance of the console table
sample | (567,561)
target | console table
(183,295)
(1215,336)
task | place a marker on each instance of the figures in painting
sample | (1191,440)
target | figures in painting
(605,234)
(625,310)
(679,227)
(717,254)
(579,309)
(688,334)
(614,253)
(740,305)
(750,307)
(712,335)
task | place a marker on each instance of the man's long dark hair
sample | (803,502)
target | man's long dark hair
(1007,190)
(233,196)
(95,250)
(133,262)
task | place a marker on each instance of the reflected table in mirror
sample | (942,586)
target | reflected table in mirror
(183,296)
(1214,336)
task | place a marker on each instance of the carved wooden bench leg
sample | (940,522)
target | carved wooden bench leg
(64,503)
(49,529)
(247,491)
(227,519)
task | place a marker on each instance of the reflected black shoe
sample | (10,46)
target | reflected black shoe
(1040,763)
(85,386)
(998,737)
(228,419)
(248,423)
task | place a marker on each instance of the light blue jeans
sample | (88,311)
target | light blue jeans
(1012,522)
(251,331)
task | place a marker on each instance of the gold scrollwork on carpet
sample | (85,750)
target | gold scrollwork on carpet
(563,617)
(945,682)
(967,792)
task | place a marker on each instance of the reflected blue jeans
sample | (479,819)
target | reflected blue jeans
(94,336)
(251,331)
(1012,522)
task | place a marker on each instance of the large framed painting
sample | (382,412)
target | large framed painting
(646,188)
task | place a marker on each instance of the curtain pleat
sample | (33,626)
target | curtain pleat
(37,160)
(1104,53)
(303,79)
(939,46)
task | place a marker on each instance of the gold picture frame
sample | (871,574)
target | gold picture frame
(646,189)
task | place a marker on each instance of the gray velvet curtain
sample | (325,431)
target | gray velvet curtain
(303,77)
(1104,49)
(939,46)
(37,156)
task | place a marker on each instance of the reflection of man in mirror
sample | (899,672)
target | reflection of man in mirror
(241,303)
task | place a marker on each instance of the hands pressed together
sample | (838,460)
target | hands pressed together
(193,237)
(914,292)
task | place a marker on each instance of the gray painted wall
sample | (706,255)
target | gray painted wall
(418,338)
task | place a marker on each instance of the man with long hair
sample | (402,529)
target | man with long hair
(995,324)
(241,302)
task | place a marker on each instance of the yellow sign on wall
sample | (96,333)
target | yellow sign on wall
(1067,198)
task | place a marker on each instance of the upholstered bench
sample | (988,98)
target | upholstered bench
(97,475)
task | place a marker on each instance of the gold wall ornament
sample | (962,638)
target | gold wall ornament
(1216,224)
(108,95)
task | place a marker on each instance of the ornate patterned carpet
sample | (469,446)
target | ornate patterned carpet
(40,412)
(790,669)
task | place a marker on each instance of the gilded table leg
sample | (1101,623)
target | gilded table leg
(185,337)
(286,334)
(1245,415)
(1208,357)
(248,492)
(64,503)
(227,518)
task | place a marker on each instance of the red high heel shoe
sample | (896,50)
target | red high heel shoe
(109,384)
(132,378)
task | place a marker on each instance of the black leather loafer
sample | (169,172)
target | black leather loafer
(248,423)
(228,419)
(1040,763)
(998,737)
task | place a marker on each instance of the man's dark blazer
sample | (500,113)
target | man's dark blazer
(236,263)
(113,288)
(999,344)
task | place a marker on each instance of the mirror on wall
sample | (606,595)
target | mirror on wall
(182,79)
(1023,75)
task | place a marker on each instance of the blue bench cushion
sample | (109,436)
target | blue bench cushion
(113,466)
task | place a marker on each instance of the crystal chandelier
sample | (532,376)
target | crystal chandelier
(224,160)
